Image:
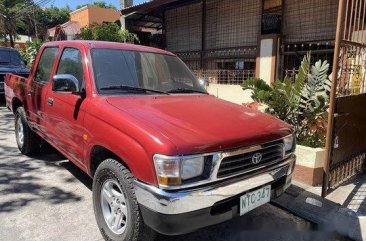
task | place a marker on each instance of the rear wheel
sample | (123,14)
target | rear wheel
(115,206)
(27,140)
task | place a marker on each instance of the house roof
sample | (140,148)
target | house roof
(146,6)
(150,14)
(69,28)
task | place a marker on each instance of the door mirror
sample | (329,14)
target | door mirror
(203,83)
(65,83)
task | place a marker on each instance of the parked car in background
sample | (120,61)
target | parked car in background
(164,155)
(11,62)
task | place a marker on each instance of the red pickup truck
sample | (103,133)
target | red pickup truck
(164,155)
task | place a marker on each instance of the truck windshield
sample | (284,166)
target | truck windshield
(119,71)
(10,57)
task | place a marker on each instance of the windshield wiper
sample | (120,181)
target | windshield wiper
(185,90)
(127,87)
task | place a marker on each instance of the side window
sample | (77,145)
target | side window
(45,64)
(71,63)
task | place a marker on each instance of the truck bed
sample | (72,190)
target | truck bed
(14,85)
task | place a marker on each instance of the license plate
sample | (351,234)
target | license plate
(254,199)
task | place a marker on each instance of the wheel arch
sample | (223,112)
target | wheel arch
(15,104)
(100,153)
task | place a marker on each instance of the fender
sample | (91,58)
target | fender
(135,156)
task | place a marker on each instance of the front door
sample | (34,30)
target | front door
(65,111)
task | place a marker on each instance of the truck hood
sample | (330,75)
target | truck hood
(202,123)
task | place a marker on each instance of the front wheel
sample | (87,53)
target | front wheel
(115,205)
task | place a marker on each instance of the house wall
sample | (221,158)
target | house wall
(232,23)
(100,15)
(232,93)
(90,14)
(81,15)
(309,20)
(233,37)
(184,28)
(229,24)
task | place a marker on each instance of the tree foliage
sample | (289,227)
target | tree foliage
(107,32)
(52,16)
(101,4)
(303,102)
(25,17)
(30,52)
(9,11)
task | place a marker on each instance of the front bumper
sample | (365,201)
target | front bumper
(183,211)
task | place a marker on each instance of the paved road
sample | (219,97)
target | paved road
(48,198)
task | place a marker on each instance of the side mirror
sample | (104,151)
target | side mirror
(65,83)
(203,83)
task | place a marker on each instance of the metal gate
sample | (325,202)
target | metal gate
(346,135)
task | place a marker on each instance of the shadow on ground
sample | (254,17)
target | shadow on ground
(356,201)
(23,180)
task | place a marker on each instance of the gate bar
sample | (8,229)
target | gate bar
(333,95)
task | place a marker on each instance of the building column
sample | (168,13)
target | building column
(124,4)
(267,57)
(123,22)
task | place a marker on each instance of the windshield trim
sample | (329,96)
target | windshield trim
(97,90)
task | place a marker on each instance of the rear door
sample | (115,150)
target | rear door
(38,87)
(65,111)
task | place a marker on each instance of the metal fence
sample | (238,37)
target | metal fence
(224,76)
(346,133)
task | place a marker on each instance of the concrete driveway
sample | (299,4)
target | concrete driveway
(48,198)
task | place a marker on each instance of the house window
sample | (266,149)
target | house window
(230,71)
(236,64)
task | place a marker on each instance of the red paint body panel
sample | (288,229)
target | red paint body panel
(202,123)
(135,127)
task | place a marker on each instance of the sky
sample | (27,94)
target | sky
(74,3)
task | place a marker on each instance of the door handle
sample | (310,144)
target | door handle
(50,101)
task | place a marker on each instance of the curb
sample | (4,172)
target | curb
(329,216)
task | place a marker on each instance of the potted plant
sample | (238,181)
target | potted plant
(302,102)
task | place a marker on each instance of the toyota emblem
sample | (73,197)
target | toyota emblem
(257,158)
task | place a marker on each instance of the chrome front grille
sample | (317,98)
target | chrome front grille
(270,153)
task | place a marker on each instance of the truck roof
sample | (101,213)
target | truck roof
(112,45)
(7,48)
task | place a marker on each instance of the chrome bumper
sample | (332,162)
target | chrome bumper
(177,202)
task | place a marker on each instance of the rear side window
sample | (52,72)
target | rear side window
(45,64)
(10,57)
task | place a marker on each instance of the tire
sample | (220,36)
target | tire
(117,182)
(27,140)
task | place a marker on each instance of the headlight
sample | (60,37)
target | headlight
(172,170)
(289,142)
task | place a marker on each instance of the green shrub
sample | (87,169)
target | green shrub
(30,52)
(303,103)
(107,32)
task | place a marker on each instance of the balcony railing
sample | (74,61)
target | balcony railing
(223,76)
(291,73)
